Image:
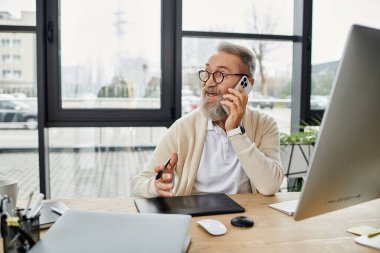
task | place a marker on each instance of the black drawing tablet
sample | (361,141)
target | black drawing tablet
(194,205)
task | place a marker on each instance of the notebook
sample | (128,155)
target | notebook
(373,241)
(194,205)
(48,217)
(99,232)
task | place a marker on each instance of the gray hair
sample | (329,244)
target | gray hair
(247,57)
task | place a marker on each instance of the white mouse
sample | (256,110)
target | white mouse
(214,227)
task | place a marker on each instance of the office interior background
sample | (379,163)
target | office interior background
(88,88)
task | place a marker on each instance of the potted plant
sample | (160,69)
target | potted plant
(296,150)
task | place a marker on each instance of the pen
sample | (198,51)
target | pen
(373,234)
(56,210)
(28,204)
(159,174)
(36,206)
(37,211)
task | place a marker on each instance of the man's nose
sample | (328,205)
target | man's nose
(210,82)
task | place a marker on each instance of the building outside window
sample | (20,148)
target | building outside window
(6,73)
(16,58)
(6,58)
(16,42)
(17,73)
(5,43)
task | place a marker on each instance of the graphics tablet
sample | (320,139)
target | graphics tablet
(194,205)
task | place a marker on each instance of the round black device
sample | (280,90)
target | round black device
(242,221)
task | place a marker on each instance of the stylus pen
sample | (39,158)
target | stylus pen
(56,210)
(159,174)
(374,234)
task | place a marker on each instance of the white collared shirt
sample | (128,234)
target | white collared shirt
(219,168)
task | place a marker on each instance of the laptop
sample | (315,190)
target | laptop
(99,232)
(194,205)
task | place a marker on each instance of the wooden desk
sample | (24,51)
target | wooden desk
(273,230)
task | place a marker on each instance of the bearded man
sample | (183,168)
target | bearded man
(222,147)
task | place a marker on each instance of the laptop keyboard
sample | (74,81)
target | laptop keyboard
(288,207)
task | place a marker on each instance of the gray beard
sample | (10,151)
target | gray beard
(215,111)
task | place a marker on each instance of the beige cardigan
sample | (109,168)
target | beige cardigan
(258,151)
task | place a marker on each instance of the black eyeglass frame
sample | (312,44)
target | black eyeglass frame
(213,75)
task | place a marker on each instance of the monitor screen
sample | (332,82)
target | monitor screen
(345,167)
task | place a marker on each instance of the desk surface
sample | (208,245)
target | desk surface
(273,230)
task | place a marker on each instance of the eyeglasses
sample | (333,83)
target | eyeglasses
(218,77)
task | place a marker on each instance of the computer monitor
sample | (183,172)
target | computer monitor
(345,167)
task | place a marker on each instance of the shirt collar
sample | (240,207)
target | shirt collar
(212,127)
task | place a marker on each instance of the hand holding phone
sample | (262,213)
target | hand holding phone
(236,104)
(244,82)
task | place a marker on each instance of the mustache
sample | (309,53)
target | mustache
(212,90)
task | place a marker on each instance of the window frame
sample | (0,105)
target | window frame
(170,107)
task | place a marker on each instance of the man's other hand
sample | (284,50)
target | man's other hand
(165,184)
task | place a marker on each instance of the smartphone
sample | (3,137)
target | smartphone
(244,82)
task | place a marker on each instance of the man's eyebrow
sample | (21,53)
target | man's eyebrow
(223,67)
(219,67)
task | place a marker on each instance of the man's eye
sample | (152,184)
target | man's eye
(218,74)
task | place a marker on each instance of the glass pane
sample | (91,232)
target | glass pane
(18,112)
(112,57)
(331,23)
(272,88)
(239,16)
(18,12)
(98,162)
